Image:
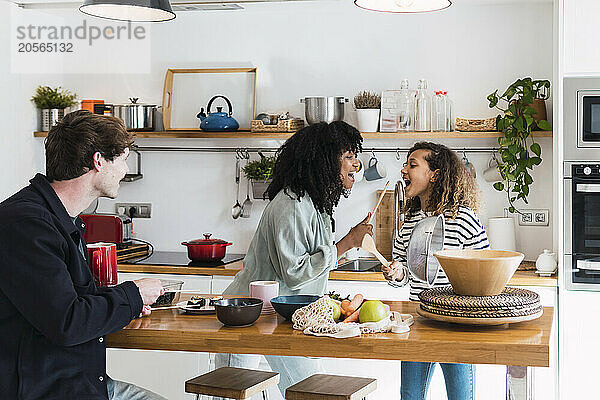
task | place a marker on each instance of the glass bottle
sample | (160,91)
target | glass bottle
(406,105)
(439,112)
(422,108)
(450,113)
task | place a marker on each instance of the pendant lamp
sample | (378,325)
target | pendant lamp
(403,6)
(129,10)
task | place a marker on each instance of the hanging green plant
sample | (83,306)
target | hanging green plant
(260,170)
(518,149)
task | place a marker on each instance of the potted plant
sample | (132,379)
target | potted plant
(367,106)
(52,103)
(519,151)
(259,173)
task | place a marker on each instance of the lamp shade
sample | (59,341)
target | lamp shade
(129,10)
(403,6)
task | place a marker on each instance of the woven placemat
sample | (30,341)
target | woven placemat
(510,299)
(504,313)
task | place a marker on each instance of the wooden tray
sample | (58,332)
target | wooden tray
(478,321)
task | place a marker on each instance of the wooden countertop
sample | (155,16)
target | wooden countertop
(525,343)
(520,278)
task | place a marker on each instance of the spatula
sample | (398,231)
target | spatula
(368,244)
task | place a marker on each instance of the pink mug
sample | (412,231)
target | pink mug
(102,260)
(265,290)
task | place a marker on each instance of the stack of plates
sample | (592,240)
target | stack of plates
(267,308)
(512,305)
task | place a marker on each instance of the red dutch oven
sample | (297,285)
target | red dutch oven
(206,249)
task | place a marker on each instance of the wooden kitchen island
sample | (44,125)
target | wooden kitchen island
(525,344)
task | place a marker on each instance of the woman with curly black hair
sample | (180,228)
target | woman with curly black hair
(293,243)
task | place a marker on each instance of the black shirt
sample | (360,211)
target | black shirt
(53,318)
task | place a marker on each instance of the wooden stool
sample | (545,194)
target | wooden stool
(232,383)
(331,387)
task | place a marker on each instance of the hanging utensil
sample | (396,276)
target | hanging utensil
(247,205)
(236,210)
(368,244)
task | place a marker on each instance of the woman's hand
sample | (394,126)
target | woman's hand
(357,233)
(393,272)
(355,237)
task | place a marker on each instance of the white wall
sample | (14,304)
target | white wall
(303,49)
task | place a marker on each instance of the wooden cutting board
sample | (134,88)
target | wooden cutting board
(384,224)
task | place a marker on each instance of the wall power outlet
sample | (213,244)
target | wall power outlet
(534,217)
(134,210)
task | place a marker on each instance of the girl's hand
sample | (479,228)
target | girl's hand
(393,272)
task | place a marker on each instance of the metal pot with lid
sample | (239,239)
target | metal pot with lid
(136,116)
(324,109)
(427,237)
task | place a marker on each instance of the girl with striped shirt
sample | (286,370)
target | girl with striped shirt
(437,182)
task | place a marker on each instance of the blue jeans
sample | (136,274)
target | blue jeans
(118,390)
(416,376)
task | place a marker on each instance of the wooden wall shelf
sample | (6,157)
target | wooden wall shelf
(283,136)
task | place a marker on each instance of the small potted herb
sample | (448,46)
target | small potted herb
(367,106)
(52,103)
(259,173)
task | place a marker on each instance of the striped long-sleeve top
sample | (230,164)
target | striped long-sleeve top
(463,232)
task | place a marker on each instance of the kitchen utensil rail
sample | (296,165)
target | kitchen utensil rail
(274,149)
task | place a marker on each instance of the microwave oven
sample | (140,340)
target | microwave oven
(581,119)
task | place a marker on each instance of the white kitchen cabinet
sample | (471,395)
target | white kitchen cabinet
(220,283)
(579,333)
(163,372)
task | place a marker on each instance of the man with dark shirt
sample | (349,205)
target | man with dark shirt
(53,318)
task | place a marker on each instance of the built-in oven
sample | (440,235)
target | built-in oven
(581,119)
(582,225)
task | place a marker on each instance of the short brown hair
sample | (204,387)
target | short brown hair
(72,143)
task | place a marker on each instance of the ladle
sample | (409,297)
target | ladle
(236,210)
(368,244)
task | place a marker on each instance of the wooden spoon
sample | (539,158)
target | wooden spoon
(368,244)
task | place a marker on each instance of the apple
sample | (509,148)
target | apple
(337,311)
(372,311)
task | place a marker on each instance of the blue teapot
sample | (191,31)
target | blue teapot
(217,121)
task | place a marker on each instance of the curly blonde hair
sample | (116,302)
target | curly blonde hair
(454,186)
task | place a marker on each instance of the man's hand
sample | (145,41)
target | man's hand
(393,272)
(150,289)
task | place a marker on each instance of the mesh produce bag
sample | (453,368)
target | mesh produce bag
(317,319)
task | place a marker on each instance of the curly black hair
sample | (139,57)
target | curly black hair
(310,162)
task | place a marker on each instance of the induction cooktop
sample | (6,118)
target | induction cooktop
(181,259)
